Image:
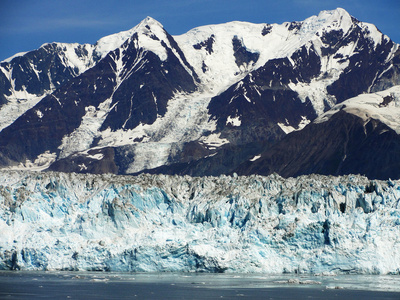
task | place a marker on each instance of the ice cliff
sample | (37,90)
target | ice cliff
(316,224)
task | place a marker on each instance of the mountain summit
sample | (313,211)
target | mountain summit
(217,99)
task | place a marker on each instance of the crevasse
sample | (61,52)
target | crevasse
(153,223)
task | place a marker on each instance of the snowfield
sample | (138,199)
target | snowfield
(371,106)
(217,57)
(152,223)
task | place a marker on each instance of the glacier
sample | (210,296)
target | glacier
(156,223)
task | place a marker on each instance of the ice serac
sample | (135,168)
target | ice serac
(311,224)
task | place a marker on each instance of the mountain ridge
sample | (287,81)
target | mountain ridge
(225,90)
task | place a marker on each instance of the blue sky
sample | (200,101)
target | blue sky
(27,24)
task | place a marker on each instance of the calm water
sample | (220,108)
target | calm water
(88,285)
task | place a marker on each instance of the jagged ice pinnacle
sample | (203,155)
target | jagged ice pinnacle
(316,224)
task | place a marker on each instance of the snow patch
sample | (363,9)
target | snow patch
(42,162)
(39,114)
(255,158)
(18,103)
(7,60)
(288,128)
(233,121)
(214,141)
(370,106)
(98,156)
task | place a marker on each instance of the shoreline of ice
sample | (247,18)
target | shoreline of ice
(156,223)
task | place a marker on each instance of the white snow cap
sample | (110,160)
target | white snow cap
(371,106)
(149,21)
(111,42)
(327,20)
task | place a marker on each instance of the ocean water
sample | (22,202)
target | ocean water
(99,285)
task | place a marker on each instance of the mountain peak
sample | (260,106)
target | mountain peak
(338,17)
(113,41)
(335,15)
(338,12)
(328,20)
(149,23)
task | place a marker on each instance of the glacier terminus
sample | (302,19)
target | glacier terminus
(158,223)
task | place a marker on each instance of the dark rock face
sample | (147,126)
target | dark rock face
(25,75)
(333,40)
(263,99)
(146,86)
(242,55)
(207,44)
(139,92)
(41,70)
(294,26)
(390,76)
(193,151)
(94,162)
(224,162)
(368,64)
(266,30)
(60,114)
(5,88)
(342,145)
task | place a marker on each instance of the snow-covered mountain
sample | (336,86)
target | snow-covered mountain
(359,136)
(25,78)
(157,223)
(202,103)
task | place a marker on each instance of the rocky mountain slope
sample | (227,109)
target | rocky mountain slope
(360,135)
(208,102)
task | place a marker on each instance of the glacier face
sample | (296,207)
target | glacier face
(153,223)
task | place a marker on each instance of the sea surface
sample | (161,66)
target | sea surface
(100,285)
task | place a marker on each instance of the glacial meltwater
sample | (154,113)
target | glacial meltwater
(110,285)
